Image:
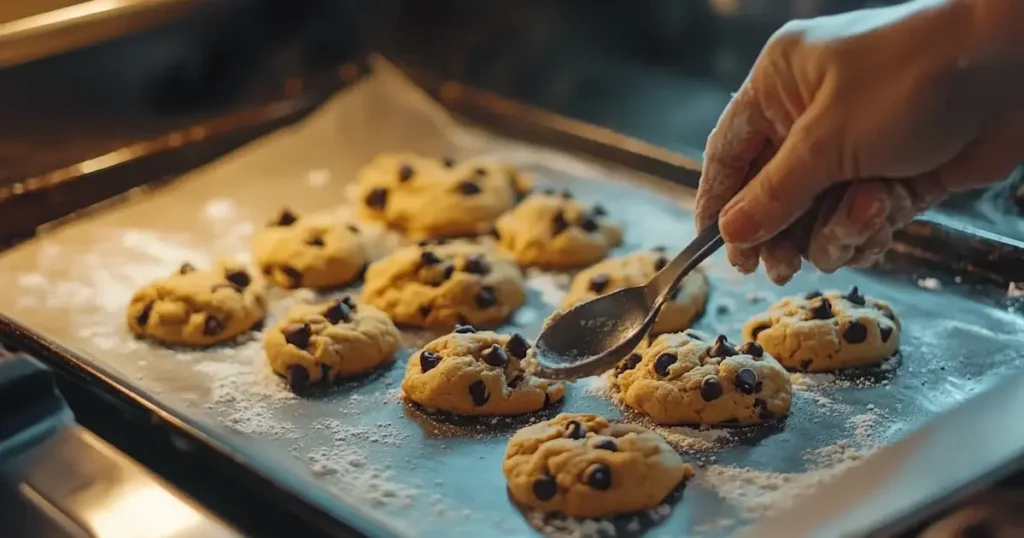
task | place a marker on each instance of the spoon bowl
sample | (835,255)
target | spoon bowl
(593,336)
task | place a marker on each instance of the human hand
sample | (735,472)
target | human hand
(849,125)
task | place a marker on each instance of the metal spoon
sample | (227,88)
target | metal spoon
(593,336)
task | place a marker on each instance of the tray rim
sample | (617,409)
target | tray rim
(468,103)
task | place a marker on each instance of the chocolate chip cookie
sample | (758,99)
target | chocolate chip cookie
(319,250)
(443,285)
(690,378)
(819,332)
(684,305)
(470,372)
(551,229)
(429,197)
(330,341)
(197,308)
(583,466)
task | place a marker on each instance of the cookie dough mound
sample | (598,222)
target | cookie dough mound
(553,230)
(197,308)
(636,269)
(428,197)
(318,250)
(443,285)
(330,341)
(820,332)
(690,378)
(478,373)
(583,466)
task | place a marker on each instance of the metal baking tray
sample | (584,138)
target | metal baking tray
(355,457)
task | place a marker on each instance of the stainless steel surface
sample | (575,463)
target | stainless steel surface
(946,460)
(49,28)
(593,336)
(366,456)
(88,488)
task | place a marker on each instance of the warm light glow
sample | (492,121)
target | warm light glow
(141,509)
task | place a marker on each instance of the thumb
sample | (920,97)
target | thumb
(804,166)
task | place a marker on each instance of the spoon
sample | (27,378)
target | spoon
(593,336)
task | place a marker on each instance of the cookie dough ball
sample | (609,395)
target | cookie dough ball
(330,341)
(553,230)
(820,332)
(443,285)
(478,373)
(685,304)
(583,466)
(428,197)
(689,378)
(319,250)
(197,308)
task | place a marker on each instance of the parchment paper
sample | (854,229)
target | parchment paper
(358,445)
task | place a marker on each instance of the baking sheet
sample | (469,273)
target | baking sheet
(359,445)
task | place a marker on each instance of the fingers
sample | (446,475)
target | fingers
(733,146)
(783,190)
(781,259)
(844,228)
(743,259)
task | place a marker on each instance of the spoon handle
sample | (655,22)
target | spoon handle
(705,244)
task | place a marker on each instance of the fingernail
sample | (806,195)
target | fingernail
(738,226)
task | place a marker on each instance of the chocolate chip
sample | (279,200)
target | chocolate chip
(813,294)
(468,188)
(448,162)
(574,430)
(558,223)
(758,330)
(212,326)
(478,392)
(517,346)
(721,348)
(377,199)
(481,172)
(293,274)
(298,334)
(186,268)
(885,332)
(425,310)
(298,378)
(628,363)
(476,264)
(599,476)
(349,302)
(440,241)
(805,364)
(764,413)
(315,241)
(352,228)
(607,444)
(599,282)
(464,329)
(663,362)
(660,262)
(496,356)
(822,309)
(428,258)
(548,191)
(545,488)
(405,173)
(599,210)
(447,273)
(589,224)
(856,332)
(753,349)
(285,218)
(855,297)
(239,278)
(338,312)
(428,360)
(144,315)
(515,381)
(746,381)
(567,194)
(710,388)
(486,297)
